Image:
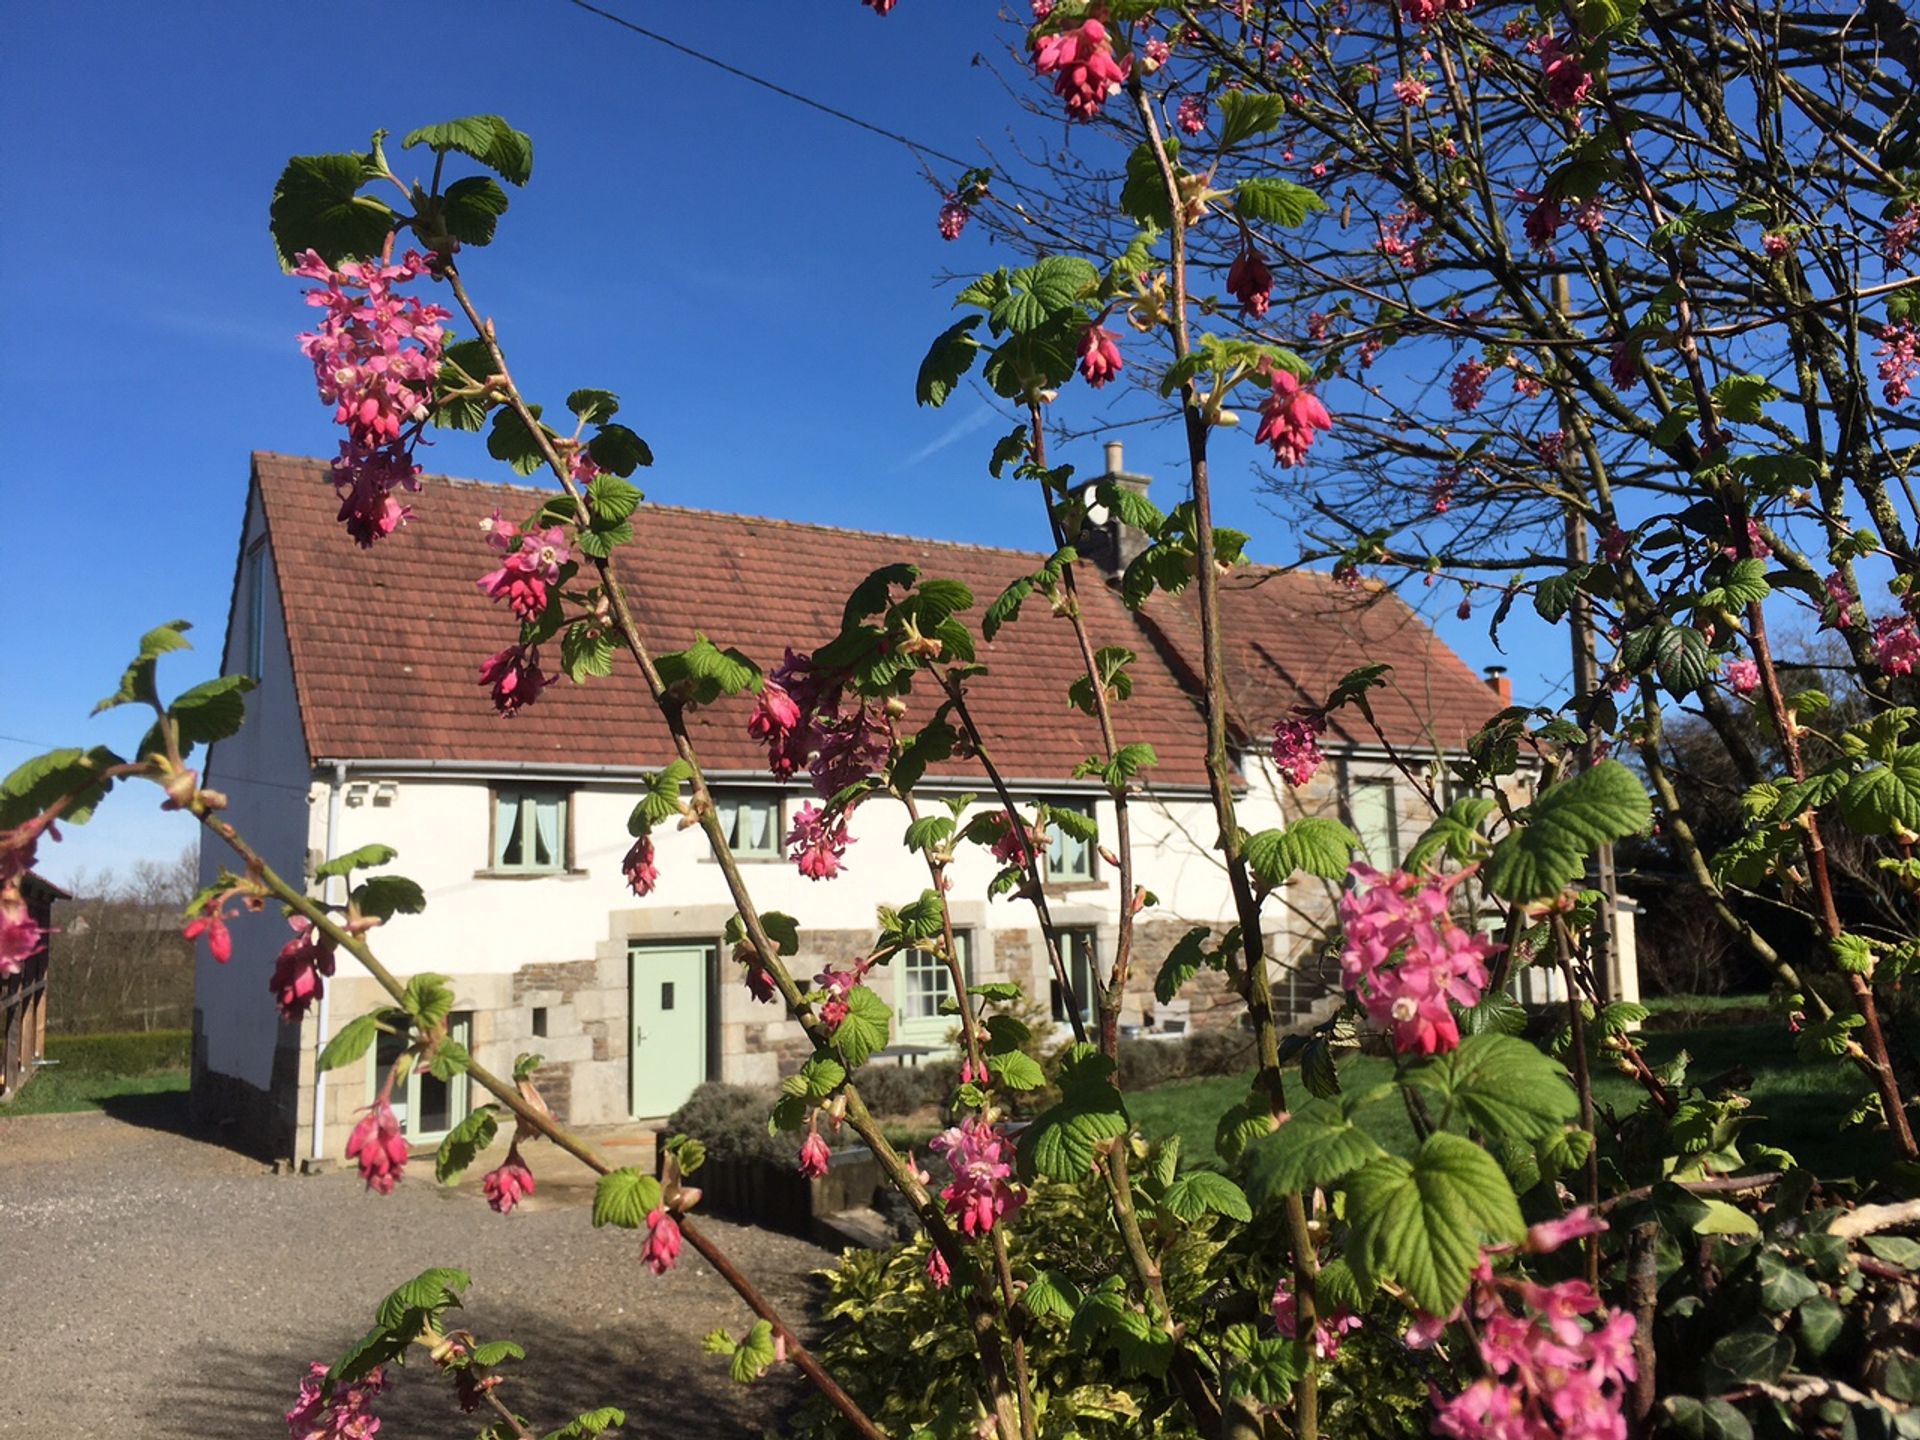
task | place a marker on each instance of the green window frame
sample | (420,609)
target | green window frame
(752,822)
(530,831)
(1080,952)
(425,1106)
(925,982)
(1373,812)
(1069,857)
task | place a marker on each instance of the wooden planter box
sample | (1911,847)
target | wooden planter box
(779,1197)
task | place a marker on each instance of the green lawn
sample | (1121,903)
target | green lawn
(1801,1108)
(51,1092)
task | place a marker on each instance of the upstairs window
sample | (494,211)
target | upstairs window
(255,581)
(752,823)
(530,831)
(1071,841)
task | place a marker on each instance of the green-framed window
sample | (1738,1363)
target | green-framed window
(529,830)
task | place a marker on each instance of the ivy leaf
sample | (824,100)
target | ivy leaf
(867,1027)
(350,1042)
(1423,1221)
(1503,1086)
(317,206)
(1269,199)
(1710,1419)
(1316,1146)
(625,1198)
(1205,1192)
(949,358)
(487,138)
(465,1141)
(1549,850)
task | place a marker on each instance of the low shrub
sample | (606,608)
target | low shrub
(904,1089)
(133,1052)
(731,1121)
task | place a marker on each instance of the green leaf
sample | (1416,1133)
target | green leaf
(1316,1146)
(1051,1295)
(587,650)
(706,672)
(1423,1221)
(381,897)
(136,682)
(1062,1142)
(1274,201)
(365,858)
(1144,195)
(1755,1354)
(755,1355)
(1784,1285)
(350,1042)
(1681,659)
(429,1000)
(1183,962)
(1244,115)
(427,1294)
(1502,1086)
(1548,850)
(37,783)
(1710,1419)
(472,207)
(1456,833)
(512,442)
(1016,1070)
(494,1351)
(465,1141)
(1818,1325)
(592,1423)
(929,832)
(592,406)
(486,138)
(1240,1126)
(1313,844)
(625,1198)
(867,1027)
(211,710)
(618,449)
(317,206)
(1883,797)
(1205,1192)
(1744,397)
(612,499)
(949,358)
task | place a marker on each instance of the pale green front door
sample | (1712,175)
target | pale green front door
(669,1010)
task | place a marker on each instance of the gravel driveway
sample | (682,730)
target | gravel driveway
(155,1285)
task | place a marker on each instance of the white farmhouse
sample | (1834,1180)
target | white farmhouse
(369,726)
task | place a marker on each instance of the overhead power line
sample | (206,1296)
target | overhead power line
(765,84)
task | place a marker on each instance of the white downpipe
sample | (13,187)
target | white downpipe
(335,791)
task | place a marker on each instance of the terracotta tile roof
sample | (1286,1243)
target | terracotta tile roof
(386,643)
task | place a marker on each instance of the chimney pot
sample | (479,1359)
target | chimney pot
(1115,462)
(1498,682)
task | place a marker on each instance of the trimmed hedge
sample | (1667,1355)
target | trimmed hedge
(133,1052)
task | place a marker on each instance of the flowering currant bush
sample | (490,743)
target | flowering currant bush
(1598,283)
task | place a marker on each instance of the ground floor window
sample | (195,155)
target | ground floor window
(925,985)
(426,1106)
(1080,953)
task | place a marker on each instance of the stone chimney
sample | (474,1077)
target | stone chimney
(1106,541)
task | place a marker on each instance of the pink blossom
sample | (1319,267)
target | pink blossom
(1843,598)
(1550,447)
(1743,676)
(1250,282)
(379,1146)
(1568,83)
(818,842)
(760,981)
(1576,1224)
(1623,364)
(953,218)
(1083,66)
(839,985)
(1776,245)
(1155,52)
(516,678)
(1296,746)
(1469,385)
(345,1415)
(880,7)
(1410,254)
(1589,216)
(298,970)
(1615,544)
(1405,958)
(1370,349)
(1900,237)
(1426,1330)
(213,925)
(938,1271)
(376,355)
(1543,224)
(1425,12)
(1896,646)
(21,936)
(1192,114)
(509,1183)
(1899,353)
(1007,848)
(532,563)
(1412,93)
(1289,418)
(1099,354)
(639,868)
(982,1162)
(814,1155)
(1327,1329)
(1042,9)
(663,1241)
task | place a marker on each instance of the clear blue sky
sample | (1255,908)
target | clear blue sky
(756,280)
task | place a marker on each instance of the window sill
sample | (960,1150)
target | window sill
(745,859)
(529,874)
(1074,886)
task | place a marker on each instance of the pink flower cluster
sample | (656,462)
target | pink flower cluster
(530,564)
(1290,416)
(1083,67)
(1327,1329)
(799,718)
(982,1161)
(1843,598)
(839,984)
(1412,93)
(1405,957)
(1543,224)
(1568,83)
(1007,848)
(1899,354)
(1296,746)
(1192,114)
(663,1241)
(515,676)
(638,867)
(1250,282)
(212,924)
(815,1154)
(1896,645)
(1407,250)
(818,842)
(1901,237)
(21,936)
(509,1183)
(376,355)
(1549,1376)
(1623,364)
(1469,385)
(1099,355)
(297,981)
(379,1147)
(953,218)
(1743,676)
(1425,12)
(346,1415)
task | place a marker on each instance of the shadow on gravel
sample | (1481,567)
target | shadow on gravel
(169,1113)
(242,1394)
